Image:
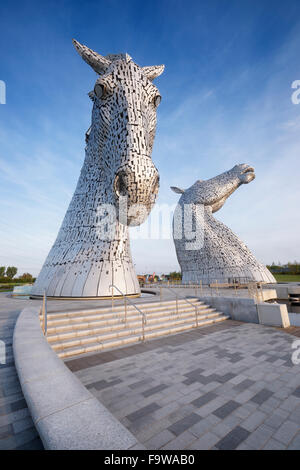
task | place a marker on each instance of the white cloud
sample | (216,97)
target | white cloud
(242,115)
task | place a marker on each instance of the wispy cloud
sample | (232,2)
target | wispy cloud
(226,100)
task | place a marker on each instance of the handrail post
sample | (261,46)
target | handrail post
(160,293)
(144,319)
(197,324)
(176,304)
(46,318)
(112,298)
(44,314)
(257,294)
(261,291)
(125,309)
(112,288)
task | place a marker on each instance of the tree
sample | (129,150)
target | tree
(175,275)
(2,271)
(27,277)
(11,271)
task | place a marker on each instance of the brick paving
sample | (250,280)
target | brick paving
(226,386)
(293,330)
(16,427)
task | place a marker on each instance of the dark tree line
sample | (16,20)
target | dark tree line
(289,268)
(8,274)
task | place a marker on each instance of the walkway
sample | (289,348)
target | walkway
(229,386)
(16,427)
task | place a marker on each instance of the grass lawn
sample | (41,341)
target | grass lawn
(8,286)
(287,277)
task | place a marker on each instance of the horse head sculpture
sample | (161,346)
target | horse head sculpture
(117,187)
(222,256)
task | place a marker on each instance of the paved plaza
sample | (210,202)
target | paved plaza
(16,427)
(226,386)
(229,386)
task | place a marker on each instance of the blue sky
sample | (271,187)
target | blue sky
(226,95)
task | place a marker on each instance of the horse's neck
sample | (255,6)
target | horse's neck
(94,194)
(212,225)
(216,231)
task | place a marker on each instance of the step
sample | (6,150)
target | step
(129,339)
(134,320)
(145,306)
(103,320)
(126,330)
(118,329)
(109,318)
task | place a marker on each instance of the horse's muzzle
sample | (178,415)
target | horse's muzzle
(135,194)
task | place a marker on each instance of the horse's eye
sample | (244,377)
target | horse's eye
(99,90)
(157,100)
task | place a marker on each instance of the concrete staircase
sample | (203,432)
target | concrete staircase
(79,332)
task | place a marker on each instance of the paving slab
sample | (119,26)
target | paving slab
(17,430)
(240,375)
(220,387)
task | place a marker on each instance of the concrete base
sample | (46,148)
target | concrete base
(285,289)
(269,293)
(240,309)
(249,311)
(273,315)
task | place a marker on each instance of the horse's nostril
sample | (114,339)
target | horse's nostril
(120,186)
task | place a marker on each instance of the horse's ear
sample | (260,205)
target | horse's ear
(95,60)
(153,71)
(177,190)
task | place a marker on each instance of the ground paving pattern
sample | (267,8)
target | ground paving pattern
(17,430)
(229,386)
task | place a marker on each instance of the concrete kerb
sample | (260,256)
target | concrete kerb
(273,314)
(65,413)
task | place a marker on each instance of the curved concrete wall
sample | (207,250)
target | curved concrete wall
(65,413)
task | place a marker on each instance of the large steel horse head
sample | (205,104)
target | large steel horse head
(118,174)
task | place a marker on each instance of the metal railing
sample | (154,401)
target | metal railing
(43,312)
(181,297)
(251,289)
(144,318)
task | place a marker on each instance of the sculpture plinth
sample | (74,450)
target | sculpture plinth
(92,250)
(222,256)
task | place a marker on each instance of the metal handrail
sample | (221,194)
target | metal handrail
(183,298)
(44,314)
(125,297)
